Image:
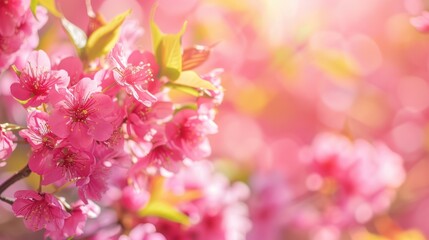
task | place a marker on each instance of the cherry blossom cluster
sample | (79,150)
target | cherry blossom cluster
(214,207)
(96,125)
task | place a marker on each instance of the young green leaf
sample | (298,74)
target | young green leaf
(185,89)
(168,49)
(194,56)
(164,210)
(169,54)
(104,38)
(50,5)
(76,34)
(191,79)
(33,6)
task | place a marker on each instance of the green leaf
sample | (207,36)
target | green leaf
(50,5)
(191,79)
(33,6)
(76,34)
(185,89)
(168,49)
(166,211)
(170,54)
(104,38)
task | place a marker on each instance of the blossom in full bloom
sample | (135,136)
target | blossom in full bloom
(67,163)
(137,74)
(7,144)
(188,132)
(37,79)
(81,114)
(39,210)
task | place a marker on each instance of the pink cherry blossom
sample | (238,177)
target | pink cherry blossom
(7,144)
(39,210)
(421,22)
(67,163)
(216,96)
(159,111)
(81,114)
(10,14)
(75,223)
(37,79)
(137,74)
(73,66)
(41,139)
(18,31)
(145,231)
(218,213)
(144,122)
(188,132)
(161,159)
(97,182)
(134,199)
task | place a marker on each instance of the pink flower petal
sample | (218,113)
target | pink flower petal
(37,63)
(58,122)
(20,93)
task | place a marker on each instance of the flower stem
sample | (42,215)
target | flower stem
(23,173)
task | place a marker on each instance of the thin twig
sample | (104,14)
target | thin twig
(6,200)
(23,173)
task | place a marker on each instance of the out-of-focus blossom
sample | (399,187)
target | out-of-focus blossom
(269,204)
(134,199)
(143,232)
(219,212)
(7,144)
(357,179)
(421,22)
(214,78)
(18,31)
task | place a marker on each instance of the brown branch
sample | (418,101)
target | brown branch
(6,200)
(23,173)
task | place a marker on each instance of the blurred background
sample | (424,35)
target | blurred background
(325,115)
